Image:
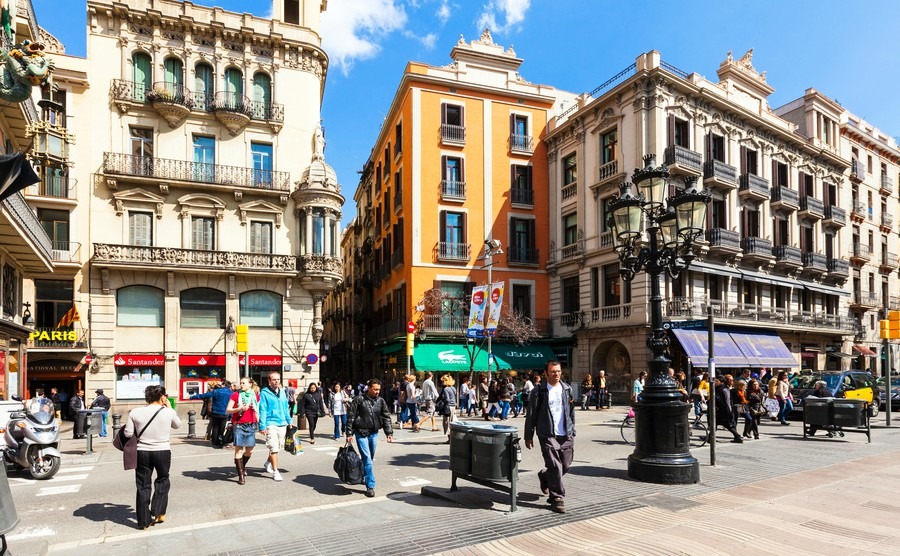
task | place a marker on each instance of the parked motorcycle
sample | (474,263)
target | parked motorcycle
(32,440)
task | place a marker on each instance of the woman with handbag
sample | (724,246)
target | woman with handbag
(244,410)
(313,407)
(783,395)
(449,403)
(338,404)
(152,425)
(742,406)
(756,404)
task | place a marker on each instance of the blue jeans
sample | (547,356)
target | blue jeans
(464,405)
(366,445)
(413,409)
(504,409)
(103,424)
(786,407)
(340,425)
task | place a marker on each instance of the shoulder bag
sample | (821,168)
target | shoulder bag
(128,446)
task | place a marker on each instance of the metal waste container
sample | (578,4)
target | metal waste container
(9,517)
(817,411)
(849,412)
(494,449)
(461,447)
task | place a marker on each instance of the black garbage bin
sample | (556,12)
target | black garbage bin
(817,411)
(494,452)
(849,412)
(96,418)
(461,447)
(80,424)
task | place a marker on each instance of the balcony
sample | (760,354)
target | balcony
(613,313)
(125,92)
(756,249)
(521,143)
(864,300)
(608,170)
(56,187)
(150,170)
(788,257)
(718,175)
(811,208)
(894,303)
(889,262)
(453,252)
(815,263)
(522,256)
(172,101)
(453,134)
(397,258)
(862,253)
(66,251)
(21,233)
(521,196)
(755,315)
(453,190)
(723,241)
(835,217)
(838,269)
(569,191)
(171,258)
(58,338)
(753,188)
(887,185)
(887,222)
(398,199)
(857,171)
(233,110)
(785,199)
(860,211)
(683,160)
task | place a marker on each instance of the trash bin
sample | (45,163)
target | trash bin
(817,411)
(849,412)
(461,447)
(9,517)
(96,415)
(494,452)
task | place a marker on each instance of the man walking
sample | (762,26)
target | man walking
(274,417)
(551,412)
(367,414)
(101,402)
(218,412)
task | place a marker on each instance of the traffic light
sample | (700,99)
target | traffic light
(890,327)
(242,336)
(410,342)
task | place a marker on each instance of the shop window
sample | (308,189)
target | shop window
(140,306)
(261,309)
(202,308)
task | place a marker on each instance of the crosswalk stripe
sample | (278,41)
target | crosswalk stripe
(413,481)
(69,478)
(75,469)
(51,491)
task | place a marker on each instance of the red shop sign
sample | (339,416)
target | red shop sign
(261,361)
(139,360)
(201,360)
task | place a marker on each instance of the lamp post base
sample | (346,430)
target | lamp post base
(662,453)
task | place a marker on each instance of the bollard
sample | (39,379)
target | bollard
(117,424)
(88,433)
(192,424)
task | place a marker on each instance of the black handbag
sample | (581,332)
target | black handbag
(228,436)
(348,465)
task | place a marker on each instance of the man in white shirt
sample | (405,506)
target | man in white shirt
(551,412)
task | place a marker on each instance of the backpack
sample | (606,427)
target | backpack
(348,466)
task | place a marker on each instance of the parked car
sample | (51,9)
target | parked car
(842,384)
(895,392)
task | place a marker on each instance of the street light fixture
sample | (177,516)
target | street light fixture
(491,247)
(661,453)
(229,328)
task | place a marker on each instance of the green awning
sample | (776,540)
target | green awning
(390,348)
(450,357)
(522,358)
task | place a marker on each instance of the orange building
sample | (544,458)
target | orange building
(454,166)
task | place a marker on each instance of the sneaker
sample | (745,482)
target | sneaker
(370,492)
(269,467)
(277,477)
(544,488)
(558,505)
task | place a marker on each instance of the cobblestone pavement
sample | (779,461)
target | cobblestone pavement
(782,493)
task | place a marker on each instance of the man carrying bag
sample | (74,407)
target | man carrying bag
(367,414)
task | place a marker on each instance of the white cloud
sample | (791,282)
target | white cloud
(428,41)
(352,29)
(501,15)
(443,12)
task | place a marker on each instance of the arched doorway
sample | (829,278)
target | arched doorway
(612,356)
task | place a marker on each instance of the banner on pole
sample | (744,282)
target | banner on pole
(476,311)
(496,303)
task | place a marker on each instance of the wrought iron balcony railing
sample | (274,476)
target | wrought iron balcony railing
(185,170)
(887,184)
(52,186)
(786,196)
(839,267)
(683,156)
(836,215)
(453,190)
(815,261)
(756,246)
(857,170)
(811,205)
(522,255)
(862,251)
(521,196)
(171,92)
(522,143)
(718,170)
(788,255)
(65,251)
(232,102)
(721,237)
(269,111)
(449,251)
(453,133)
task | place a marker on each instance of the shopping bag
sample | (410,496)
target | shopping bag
(773,407)
(290,441)
(348,465)
(297,443)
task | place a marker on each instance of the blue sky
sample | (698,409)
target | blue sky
(846,51)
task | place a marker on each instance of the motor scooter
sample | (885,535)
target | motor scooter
(32,440)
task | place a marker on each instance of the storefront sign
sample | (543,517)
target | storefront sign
(53,336)
(261,360)
(201,360)
(139,360)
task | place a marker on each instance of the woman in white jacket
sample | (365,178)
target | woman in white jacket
(339,401)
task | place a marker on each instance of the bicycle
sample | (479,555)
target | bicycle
(698,432)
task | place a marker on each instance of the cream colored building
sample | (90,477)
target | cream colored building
(775,255)
(210,202)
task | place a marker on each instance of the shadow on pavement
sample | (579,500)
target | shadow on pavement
(421,460)
(597,471)
(420,501)
(212,473)
(115,513)
(324,484)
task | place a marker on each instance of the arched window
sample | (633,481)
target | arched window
(141,75)
(174,72)
(234,87)
(202,308)
(262,95)
(204,86)
(140,306)
(261,309)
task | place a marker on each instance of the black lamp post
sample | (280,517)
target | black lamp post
(661,453)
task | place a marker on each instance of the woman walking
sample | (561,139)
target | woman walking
(339,402)
(756,404)
(742,406)
(312,407)
(244,410)
(412,402)
(451,401)
(464,396)
(152,425)
(783,395)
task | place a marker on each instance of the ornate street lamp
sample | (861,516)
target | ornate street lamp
(657,235)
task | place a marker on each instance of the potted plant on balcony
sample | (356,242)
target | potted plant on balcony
(171,101)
